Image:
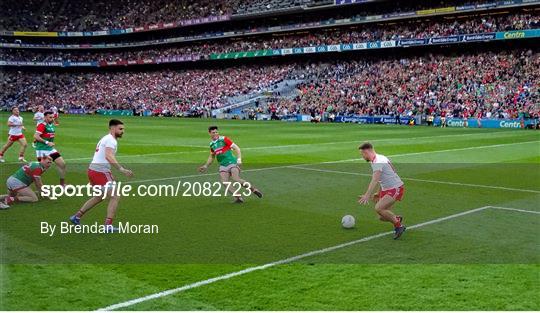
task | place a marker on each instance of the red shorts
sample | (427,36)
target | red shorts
(396,193)
(99,178)
(15,137)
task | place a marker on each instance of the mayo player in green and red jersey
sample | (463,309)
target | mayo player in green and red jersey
(19,183)
(44,136)
(221,148)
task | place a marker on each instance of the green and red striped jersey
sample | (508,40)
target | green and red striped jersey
(221,148)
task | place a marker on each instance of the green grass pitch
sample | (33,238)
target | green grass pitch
(311,176)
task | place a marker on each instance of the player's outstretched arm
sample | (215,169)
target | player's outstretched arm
(364,199)
(109,156)
(209,161)
(39,184)
(238,153)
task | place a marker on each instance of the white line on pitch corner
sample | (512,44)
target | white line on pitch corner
(272,264)
(513,209)
(420,180)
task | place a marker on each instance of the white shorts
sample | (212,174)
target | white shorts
(44,153)
(228,168)
(14,184)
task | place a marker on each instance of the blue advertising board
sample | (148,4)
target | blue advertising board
(487,123)
(375,119)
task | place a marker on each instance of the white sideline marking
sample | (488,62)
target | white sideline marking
(420,180)
(359,141)
(131,144)
(445,150)
(326,162)
(512,209)
(145,155)
(203,175)
(283,261)
(305,144)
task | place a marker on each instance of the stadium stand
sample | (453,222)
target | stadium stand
(327,36)
(62,15)
(501,83)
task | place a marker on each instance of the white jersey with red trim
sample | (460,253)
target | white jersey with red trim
(39,118)
(389,177)
(99,162)
(18,122)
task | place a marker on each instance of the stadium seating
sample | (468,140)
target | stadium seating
(330,36)
(490,84)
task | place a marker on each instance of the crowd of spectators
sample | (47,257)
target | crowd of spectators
(167,92)
(79,15)
(488,85)
(360,33)
(483,84)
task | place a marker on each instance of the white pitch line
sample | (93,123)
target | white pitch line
(292,146)
(358,141)
(263,147)
(420,180)
(445,150)
(203,175)
(516,210)
(272,264)
(299,166)
(144,155)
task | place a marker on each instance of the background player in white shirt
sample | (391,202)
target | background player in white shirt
(99,173)
(391,187)
(54,109)
(39,116)
(16,127)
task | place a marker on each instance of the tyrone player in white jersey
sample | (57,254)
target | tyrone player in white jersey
(99,173)
(54,109)
(16,127)
(391,187)
(39,116)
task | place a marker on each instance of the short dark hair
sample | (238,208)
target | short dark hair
(115,122)
(211,128)
(13,108)
(366,146)
(47,113)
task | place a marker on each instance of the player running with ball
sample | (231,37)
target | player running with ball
(391,187)
(99,174)
(221,148)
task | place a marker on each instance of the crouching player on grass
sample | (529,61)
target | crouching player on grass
(99,174)
(391,188)
(229,165)
(19,183)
